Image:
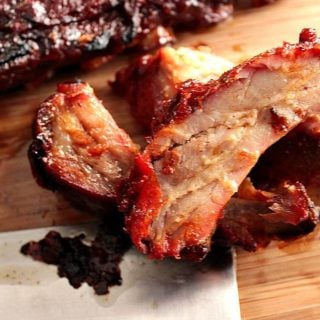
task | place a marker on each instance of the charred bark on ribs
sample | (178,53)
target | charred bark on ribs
(36,37)
(78,148)
(214,135)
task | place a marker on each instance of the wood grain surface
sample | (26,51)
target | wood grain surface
(281,282)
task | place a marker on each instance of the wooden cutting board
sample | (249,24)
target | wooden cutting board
(277,283)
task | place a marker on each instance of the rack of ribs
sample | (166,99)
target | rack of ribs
(37,37)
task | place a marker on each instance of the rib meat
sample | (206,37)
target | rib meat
(254,217)
(152,81)
(214,135)
(294,158)
(36,37)
(78,148)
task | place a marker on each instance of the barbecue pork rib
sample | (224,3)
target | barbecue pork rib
(242,223)
(254,217)
(293,158)
(37,37)
(152,81)
(150,84)
(214,135)
(78,148)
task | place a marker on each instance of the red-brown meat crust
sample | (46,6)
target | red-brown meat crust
(294,158)
(152,96)
(191,98)
(145,91)
(36,37)
(72,151)
(254,217)
(151,82)
(187,102)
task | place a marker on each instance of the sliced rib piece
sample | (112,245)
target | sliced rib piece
(36,37)
(78,148)
(152,81)
(254,218)
(214,136)
(294,158)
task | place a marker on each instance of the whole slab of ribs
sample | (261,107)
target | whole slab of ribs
(36,37)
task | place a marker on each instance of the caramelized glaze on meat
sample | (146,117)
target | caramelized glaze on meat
(152,81)
(36,37)
(78,148)
(294,158)
(254,217)
(214,135)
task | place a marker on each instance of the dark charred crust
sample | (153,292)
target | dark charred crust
(51,34)
(195,253)
(252,224)
(232,233)
(294,158)
(37,152)
(302,229)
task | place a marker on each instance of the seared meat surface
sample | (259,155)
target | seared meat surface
(152,81)
(179,200)
(294,158)
(78,148)
(214,135)
(254,217)
(36,37)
